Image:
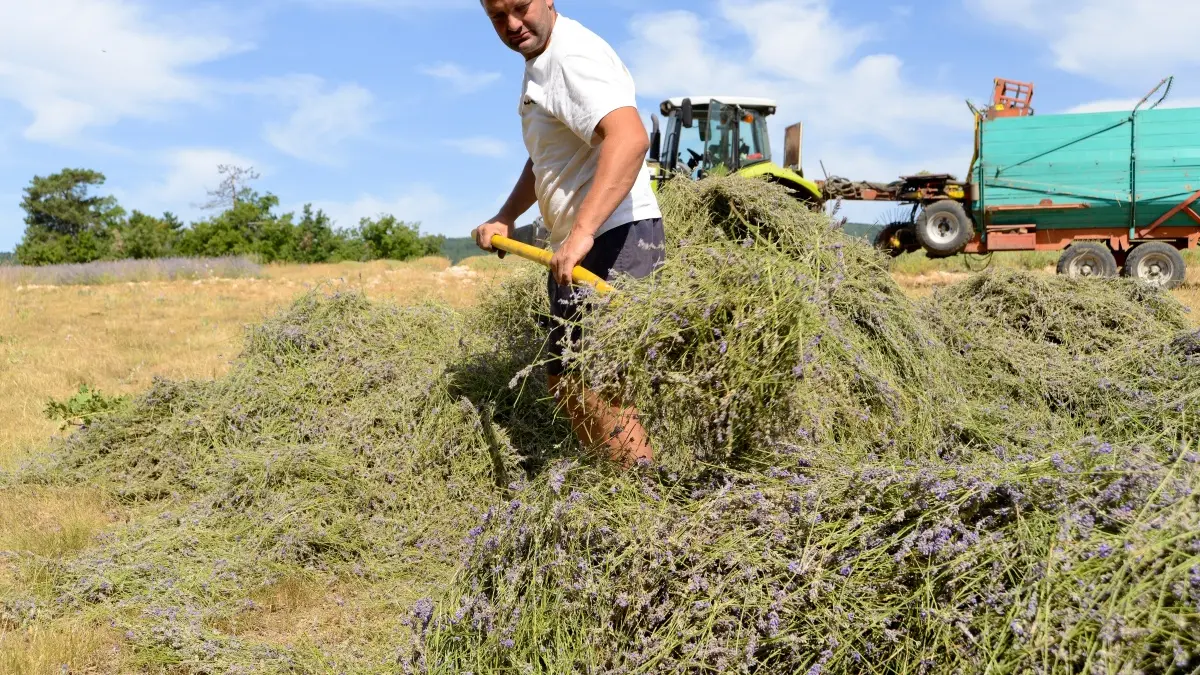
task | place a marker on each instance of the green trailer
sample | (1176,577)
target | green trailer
(1116,192)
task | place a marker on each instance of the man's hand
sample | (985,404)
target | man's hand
(484,233)
(570,254)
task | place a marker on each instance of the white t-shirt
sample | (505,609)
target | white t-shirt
(567,90)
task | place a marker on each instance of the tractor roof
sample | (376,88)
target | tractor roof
(765,104)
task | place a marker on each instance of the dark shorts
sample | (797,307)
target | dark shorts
(636,249)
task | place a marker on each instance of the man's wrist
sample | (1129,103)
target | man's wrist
(580,230)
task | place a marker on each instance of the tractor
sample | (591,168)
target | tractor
(706,135)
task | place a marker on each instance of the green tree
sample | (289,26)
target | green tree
(350,246)
(63,223)
(248,228)
(144,236)
(315,240)
(387,237)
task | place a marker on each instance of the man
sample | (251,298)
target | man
(587,173)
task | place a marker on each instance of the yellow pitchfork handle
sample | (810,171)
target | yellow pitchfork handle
(538,255)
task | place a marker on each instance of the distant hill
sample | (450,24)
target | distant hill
(7,258)
(457,248)
(464,247)
(865,230)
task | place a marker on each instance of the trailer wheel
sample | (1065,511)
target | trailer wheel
(944,228)
(1085,259)
(897,238)
(1156,263)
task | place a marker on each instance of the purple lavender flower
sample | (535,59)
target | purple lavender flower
(423,612)
(557,478)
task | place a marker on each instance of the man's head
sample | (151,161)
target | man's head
(523,25)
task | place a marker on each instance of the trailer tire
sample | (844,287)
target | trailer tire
(944,228)
(1156,263)
(900,233)
(1086,259)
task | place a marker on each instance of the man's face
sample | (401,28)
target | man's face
(523,25)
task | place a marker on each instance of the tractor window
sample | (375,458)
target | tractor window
(692,144)
(722,126)
(752,137)
(709,144)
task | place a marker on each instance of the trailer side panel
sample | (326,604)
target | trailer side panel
(1077,171)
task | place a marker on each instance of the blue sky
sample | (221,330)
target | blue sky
(409,106)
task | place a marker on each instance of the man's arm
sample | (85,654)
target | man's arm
(623,145)
(504,222)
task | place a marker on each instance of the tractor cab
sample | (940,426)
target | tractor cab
(705,134)
(708,135)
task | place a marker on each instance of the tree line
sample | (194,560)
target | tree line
(66,223)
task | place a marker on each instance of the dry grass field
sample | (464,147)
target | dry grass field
(118,337)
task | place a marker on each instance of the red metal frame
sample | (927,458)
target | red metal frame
(1184,206)
(1011,99)
(1029,238)
(1049,206)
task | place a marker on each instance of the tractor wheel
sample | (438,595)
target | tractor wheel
(1085,259)
(944,228)
(1156,263)
(897,238)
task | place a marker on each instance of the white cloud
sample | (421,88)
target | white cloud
(1138,41)
(77,64)
(796,39)
(1126,104)
(463,80)
(395,5)
(805,58)
(324,118)
(189,173)
(480,146)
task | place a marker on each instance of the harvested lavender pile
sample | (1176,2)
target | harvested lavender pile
(337,454)
(1112,357)
(771,336)
(852,482)
(1000,478)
